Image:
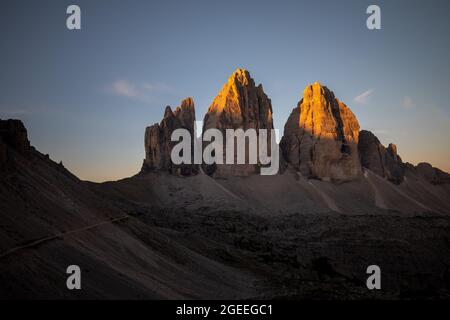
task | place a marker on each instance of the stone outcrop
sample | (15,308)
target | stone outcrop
(427,172)
(383,161)
(240,104)
(158,144)
(386,163)
(321,137)
(13,136)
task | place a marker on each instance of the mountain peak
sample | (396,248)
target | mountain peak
(168,112)
(187,103)
(240,77)
(232,95)
(239,104)
(317,91)
(185,113)
(321,136)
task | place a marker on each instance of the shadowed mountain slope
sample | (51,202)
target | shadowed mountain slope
(49,219)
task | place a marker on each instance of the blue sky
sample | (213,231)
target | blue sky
(86,96)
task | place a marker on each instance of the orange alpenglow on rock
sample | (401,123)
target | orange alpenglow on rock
(240,104)
(321,137)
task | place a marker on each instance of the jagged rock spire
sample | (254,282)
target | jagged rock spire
(240,104)
(158,144)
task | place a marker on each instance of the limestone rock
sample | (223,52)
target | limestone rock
(429,173)
(158,144)
(321,137)
(387,163)
(185,113)
(384,162)
(240,104)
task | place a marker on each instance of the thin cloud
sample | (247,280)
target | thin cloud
(144,92)
(125,89)
(408,103)
(364,97)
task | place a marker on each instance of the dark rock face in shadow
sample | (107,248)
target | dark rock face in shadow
(385,162)
(158,144)
(14,134)
(321,137)
(13,138)
(428,172)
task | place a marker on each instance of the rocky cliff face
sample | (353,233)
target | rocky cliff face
(385,162)
(321,137)
(240,104)
(158,144)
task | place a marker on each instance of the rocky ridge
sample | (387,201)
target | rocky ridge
(383,161)
(427,172)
